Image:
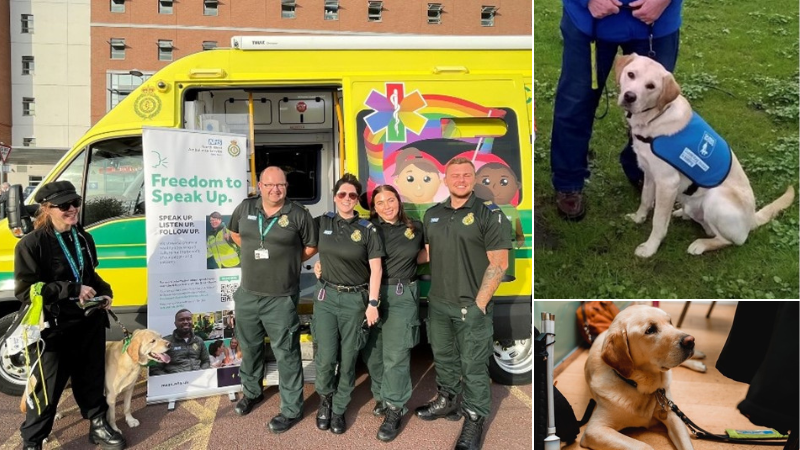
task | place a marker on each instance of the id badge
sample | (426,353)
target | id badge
(262,253)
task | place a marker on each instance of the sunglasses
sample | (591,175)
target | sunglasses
(342,195)
(65,206)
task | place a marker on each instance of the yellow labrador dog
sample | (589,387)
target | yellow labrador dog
(685,160)
(627,365)
(123,366)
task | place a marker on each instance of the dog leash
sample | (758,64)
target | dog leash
(699,433)
(126,335)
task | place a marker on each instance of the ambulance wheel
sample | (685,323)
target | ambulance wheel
(512,362)
(12,367)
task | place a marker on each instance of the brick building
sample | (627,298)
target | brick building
(73,60)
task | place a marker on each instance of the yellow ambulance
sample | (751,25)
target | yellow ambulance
(319,106)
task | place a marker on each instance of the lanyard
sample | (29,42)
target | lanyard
(261,230)
(77,271)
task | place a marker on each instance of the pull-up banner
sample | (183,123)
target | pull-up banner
(193,182)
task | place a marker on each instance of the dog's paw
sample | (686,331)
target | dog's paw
(636,217)
(698,354)
(59,416)
(133,423)
(697,366)
(697,247)
(680,214)
(645,250)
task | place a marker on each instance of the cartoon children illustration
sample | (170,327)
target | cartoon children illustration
(415,177)
(497,182)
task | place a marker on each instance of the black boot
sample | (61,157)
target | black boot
(445,405)
(391,423)
(324,412)
(32,447)
(101,433)
(379,409)
(471,431)
(338,425)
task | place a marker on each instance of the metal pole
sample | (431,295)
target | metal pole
(551,442)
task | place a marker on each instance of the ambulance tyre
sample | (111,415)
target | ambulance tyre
(12,367)
(511,363)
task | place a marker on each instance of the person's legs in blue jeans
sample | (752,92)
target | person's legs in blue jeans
(666,49)
(575,106)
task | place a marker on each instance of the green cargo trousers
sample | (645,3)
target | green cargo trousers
(276,317)
(337,325)
(462,346)
(388,350)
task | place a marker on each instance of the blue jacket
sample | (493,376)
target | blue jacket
(697,151)
(622,27)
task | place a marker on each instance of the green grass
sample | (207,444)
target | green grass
(738,64)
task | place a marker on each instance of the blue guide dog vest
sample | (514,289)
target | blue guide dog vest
(697,151)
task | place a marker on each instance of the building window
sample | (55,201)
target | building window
(29,142)
(288,9)
(120,85)
(27,23)
(487,15)
(118,6)
(27,65)
(117,48)
(209,45)
(434,13)
(374,10)
(210,7)
(331,9)
(165,6)
(35,180)
(28,106)
(165,50)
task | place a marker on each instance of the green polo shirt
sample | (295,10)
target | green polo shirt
(292,229)
(459,239)
(345,248)
(402,246)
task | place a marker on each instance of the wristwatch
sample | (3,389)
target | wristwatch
(374,303)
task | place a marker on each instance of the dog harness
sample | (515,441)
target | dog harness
(697,152)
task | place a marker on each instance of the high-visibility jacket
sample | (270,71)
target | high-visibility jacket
(223,252)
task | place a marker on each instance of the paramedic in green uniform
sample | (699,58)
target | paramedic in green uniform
(275,235)
(350,252)
(468,242)
(388,350)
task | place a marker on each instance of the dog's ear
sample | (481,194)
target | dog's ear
(616,352)
(620,63)
(133,347)
(669,91)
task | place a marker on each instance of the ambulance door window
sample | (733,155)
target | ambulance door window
(114,180)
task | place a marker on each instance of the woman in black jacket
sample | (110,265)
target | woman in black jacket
(58,259)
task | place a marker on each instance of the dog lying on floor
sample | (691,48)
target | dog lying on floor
(627,365)
(123,366)
(685,160)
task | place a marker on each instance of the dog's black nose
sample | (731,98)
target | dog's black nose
(687,342)
(629,97)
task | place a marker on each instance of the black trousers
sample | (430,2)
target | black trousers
(78,352)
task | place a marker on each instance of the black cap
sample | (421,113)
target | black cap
(57,193)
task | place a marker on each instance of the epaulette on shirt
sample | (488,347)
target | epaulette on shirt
(365,223)
(491,206)
(330,214)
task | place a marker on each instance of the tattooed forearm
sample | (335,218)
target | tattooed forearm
(498,263)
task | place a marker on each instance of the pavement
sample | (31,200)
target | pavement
(211,423)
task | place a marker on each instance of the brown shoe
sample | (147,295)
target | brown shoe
(570,205)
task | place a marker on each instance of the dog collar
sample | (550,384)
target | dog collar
(629,381)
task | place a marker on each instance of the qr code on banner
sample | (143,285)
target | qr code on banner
(226,291)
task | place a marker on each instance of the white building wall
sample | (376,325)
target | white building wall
(60,45)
